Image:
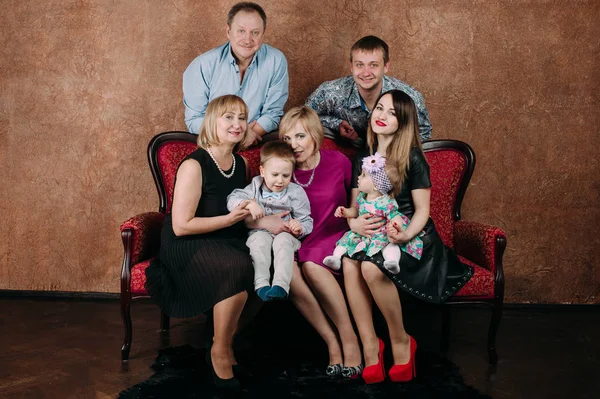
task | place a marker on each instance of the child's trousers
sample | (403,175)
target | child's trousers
(284,245)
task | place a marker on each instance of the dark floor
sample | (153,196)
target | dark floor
(71,349)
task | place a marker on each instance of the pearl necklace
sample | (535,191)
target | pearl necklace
(312,176)
(228,176)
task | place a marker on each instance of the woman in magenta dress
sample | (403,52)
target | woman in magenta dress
(326,177)
(329,184)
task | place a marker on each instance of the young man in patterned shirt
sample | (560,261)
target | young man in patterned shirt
(345,104)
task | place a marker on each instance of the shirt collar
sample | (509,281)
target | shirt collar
(356,101)
(232,60)
(386,85)
(266,193)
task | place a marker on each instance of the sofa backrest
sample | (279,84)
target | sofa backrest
(451,163)
(165,153)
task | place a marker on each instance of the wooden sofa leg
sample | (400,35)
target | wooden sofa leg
(445,339)
(164,322)
(494,324)
(165,339)
(126,315)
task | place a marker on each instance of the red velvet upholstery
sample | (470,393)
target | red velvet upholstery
(350,152)
(451,163)
(146,234)
(138,277)
(478,242)
(169,157)
(447,170)
(480,286)
(252,157)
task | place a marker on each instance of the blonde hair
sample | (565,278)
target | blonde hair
(277,149)
(405,138)
(308,118)
(217,108)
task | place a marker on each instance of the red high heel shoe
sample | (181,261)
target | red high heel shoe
(375,373)
(405,372)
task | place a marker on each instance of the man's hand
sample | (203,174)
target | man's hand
(254,134)
(347,131)
(340,212)
(238,213)
(255,210)
(366,225)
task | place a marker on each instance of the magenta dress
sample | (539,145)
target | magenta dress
(329,189)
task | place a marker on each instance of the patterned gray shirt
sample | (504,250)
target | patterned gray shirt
(293,198)
(338,100)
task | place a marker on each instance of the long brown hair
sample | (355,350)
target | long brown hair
(405,138)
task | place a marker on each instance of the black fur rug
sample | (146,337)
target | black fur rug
(181,372)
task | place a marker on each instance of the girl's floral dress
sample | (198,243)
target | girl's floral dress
(387,208)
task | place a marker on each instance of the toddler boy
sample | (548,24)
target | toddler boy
(270,193)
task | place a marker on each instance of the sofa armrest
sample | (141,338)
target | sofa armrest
(141,236)
(480,243)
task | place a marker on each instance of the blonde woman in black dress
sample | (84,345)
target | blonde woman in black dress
(204,262)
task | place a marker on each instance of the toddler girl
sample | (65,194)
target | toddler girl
(374,184)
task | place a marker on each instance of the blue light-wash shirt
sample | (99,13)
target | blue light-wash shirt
(339,100)
(216,73)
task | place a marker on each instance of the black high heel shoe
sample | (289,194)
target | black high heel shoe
(240,372)
(229,384)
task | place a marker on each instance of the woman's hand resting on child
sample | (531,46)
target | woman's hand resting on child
(255,209)
(366,225)
(275,224)
(396,235)
(238,213)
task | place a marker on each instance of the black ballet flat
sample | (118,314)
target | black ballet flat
(229,384)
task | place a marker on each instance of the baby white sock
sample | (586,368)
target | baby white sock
(392,265)
(332,262)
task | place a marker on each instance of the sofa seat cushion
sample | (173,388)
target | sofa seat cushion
(480,286)
(138,278)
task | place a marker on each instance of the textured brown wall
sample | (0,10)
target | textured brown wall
(85,84)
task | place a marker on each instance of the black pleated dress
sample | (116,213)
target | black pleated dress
(193,273)
(439,273)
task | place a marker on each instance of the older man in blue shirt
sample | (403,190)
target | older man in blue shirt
(243,66)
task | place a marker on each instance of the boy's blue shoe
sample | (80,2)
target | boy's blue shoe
(262,293)
(276,293)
